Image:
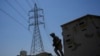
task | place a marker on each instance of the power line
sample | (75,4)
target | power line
(33,1)
(21,6)
(13,18)
(16,10)
(29,3)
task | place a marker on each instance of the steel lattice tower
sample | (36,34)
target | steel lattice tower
(37,43)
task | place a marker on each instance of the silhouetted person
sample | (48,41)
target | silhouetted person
(57,44)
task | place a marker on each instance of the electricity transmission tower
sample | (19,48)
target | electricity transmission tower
(37,43)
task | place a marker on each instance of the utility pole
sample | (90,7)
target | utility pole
(37,43)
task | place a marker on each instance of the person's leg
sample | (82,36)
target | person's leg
(61,52)
(60,49)
(56,52)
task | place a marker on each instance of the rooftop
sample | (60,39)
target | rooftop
(88,15)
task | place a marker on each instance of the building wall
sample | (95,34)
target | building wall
(44,54)
(81,38)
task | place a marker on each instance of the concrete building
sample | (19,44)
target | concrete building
(82,36)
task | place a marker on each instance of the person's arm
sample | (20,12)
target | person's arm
(53,42)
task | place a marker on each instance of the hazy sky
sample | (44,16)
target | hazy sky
(14,37)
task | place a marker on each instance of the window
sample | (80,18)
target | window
(83,26)
(70,46)
(97,27)
(81,23)
(84,29)
(68,40)
(68,35)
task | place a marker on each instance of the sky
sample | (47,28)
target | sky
(14,33)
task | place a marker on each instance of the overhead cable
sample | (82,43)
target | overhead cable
(15,10)
(29,3)
(13,18)
(21,6)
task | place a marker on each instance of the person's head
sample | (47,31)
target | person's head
(52,34)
